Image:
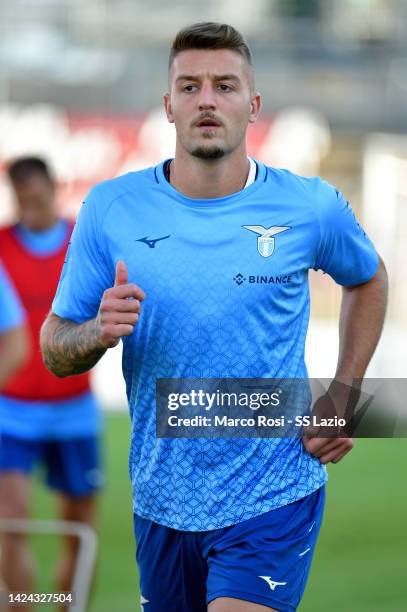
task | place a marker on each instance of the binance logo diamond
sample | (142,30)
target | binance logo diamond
(239,279)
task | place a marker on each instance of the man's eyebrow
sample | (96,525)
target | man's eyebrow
(221,77)
(187,77)
(227,77)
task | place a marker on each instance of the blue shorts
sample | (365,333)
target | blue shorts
(72,466)
(264,560)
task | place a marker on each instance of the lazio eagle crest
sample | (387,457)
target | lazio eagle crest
(265,241)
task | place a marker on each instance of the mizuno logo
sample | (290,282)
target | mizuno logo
(265,241)
(151,242)
(143,601)
(272,583)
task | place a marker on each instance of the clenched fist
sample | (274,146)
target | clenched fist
(119,309)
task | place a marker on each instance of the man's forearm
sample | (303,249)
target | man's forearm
(362,315)
(70,348)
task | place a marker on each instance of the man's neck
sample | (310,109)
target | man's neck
(201,179)
(47,225)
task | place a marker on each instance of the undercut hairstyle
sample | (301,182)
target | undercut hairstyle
(210,35)
(24,168)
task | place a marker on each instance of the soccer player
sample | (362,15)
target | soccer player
(43,420)
(166,259)
(14,344)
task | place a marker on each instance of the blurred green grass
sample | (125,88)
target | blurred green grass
(360,564)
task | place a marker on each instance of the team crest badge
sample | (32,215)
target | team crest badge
(265,240)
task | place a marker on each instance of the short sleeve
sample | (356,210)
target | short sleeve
(12,313)
(344,251)
(86,273)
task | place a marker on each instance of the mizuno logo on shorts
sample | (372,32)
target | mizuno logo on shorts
(272,583)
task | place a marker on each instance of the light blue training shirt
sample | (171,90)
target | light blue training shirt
(209,314)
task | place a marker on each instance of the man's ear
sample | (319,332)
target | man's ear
(167,107)
(255,106)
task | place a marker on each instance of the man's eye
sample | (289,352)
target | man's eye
(189,88)
(224,87)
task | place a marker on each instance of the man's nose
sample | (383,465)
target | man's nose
(207,98)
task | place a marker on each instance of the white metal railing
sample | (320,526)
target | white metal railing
(86,554)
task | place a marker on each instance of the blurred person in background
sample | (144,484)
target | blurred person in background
(14,339)
(43,419)
(220,524)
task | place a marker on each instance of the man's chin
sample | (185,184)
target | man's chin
(208,153)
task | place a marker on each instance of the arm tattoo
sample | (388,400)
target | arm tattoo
(70,348)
